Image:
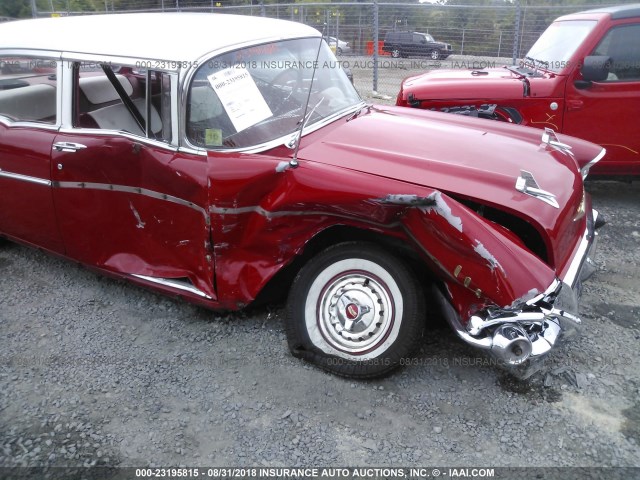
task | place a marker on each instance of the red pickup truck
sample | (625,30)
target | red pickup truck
(582,78)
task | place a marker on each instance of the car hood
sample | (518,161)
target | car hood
(494,83)
(477,159)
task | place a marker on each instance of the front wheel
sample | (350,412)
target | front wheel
(435,54)
(396,53)
(355,310)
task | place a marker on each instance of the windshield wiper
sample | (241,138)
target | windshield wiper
(536,62)
(515,70)
(298,131)
(306,119)
(368,106)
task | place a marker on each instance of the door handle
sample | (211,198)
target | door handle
(68,146)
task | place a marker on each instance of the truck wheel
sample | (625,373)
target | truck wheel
(355,310)
(435,54)
(396,53)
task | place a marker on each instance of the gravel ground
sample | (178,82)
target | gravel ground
(95,371)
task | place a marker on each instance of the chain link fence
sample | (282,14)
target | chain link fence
(481,35)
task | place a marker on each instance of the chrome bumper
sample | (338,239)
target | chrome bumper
(530,331)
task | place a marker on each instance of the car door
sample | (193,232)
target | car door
(128,201)
(420,44)
(29,119)
(605,111)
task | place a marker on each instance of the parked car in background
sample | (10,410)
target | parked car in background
(242,163)
(582,78)
(406,44)
(338,46)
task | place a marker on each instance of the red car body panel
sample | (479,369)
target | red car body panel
(125,231)
(25,152)
(601,113)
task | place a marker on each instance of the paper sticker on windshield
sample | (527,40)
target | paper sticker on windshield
(240,97)
(213,137)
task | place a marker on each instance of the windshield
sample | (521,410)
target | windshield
(558,43)
(255,95)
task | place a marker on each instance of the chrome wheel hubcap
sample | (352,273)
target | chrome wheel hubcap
(356,312)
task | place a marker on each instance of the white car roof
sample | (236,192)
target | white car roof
(175,37)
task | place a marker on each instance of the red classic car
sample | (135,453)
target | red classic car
(230,155)
(582,78)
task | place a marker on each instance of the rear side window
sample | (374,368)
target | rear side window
(123,98)
(622,45)
(28,89)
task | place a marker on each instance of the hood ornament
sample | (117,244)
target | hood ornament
(526,184)
(550,139)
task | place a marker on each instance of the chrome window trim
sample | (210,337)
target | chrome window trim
(67,114)
(175,108)
(67,95)
(285,139)
(10,123)
(119,133)
(193,151)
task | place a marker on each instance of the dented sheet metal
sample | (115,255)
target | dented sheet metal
(478,257)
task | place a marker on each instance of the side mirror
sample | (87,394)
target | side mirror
(595,68)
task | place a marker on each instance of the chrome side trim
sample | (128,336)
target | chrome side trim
(174,283)
(295,213)
(584,171)
(136,190)
(25,178)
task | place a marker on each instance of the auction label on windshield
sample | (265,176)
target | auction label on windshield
(240,97)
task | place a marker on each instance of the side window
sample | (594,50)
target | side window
(417,38)
(621,44)
(28,89)
(122,99)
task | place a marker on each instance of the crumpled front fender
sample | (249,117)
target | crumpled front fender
(474,254)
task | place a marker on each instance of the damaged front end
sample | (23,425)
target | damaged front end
(523,331)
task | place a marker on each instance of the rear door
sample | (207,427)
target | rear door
(127,199)
(606,112)
(29,119)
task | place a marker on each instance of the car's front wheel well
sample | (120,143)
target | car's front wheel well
(276,288)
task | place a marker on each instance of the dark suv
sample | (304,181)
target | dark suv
(404,44)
